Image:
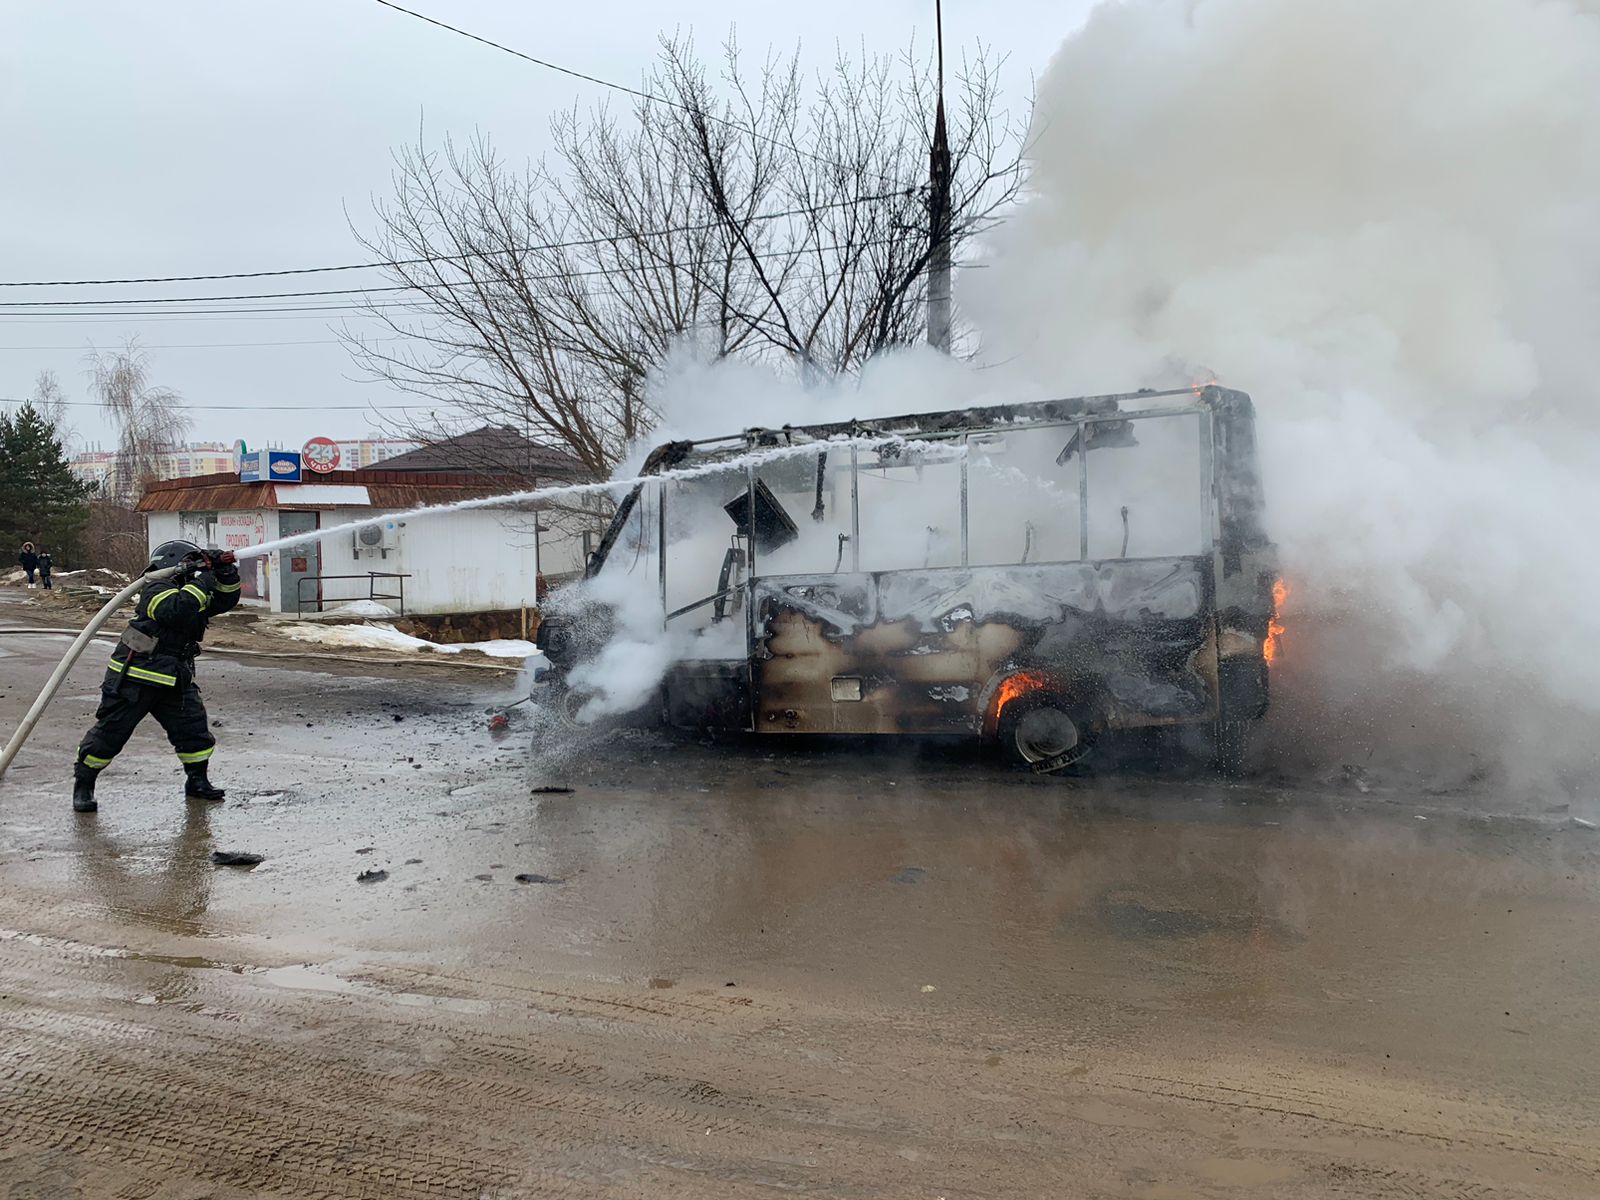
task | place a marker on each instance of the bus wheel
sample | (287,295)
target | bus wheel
(568,705)
(1039,733)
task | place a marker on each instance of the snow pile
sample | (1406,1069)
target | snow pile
(98,571)
(360,608)
(382,636)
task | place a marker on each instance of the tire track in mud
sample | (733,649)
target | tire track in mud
(78,914)
(701,1011)
(1341,1110)
(1306,1102)
(183,1116)
(469,1094)
(193,1133)
(1406,1185)
(311,1093)
(398,984)
(188,1095)
(132,1105)
(176,1118)
(501,1057)
(67,956)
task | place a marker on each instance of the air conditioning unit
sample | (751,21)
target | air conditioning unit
(378,537)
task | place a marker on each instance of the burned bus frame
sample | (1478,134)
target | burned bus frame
(1126,643)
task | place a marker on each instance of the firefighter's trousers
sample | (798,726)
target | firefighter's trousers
(124,703)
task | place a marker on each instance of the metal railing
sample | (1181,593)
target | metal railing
(371,577)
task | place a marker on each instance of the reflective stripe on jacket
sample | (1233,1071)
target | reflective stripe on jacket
(173,616)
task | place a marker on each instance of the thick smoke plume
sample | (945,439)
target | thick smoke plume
(1380,219)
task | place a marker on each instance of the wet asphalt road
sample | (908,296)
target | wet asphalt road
(758,968)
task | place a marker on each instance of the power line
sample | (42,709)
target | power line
(124,320)
(70,308)
(215,345)
(227,274)
(308,408)
(624,88)
(323,318)
(208,299)
(279,308)
(897,189)
(550,66)
(166,317)
(576,243)
(355,310)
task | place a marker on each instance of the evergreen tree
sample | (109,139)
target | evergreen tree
(41,500)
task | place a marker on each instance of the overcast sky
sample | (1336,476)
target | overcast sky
(199,136)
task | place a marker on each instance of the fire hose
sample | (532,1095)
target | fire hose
(74,652)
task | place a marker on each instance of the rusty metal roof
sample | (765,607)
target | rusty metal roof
(385,489)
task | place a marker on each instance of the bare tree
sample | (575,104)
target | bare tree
(766,216)
(150,420)
(51,403)
(114,537)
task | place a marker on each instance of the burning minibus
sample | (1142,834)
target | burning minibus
(1032,575)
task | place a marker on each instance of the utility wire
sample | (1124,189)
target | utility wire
(896,190)
(6,305)
(286,312)
(621,87)
(546,64)
(612,239)
(165,317)
(9,304)
(309,408)
(11,308)
(200,312)
(214,345)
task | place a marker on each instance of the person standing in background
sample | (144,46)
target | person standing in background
(29,561)
(45,564)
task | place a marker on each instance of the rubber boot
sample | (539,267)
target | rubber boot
(83,792)
(198,787)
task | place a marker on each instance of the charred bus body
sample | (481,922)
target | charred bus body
(1034,575)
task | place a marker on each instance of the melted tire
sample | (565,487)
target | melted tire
(1042,734)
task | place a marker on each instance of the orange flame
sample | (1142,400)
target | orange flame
(1016,685)
(1270,647)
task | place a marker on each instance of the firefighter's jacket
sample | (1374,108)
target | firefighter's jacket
(169,621)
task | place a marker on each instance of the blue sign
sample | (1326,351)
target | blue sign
(270,466)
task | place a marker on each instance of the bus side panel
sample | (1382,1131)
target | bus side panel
(918,651)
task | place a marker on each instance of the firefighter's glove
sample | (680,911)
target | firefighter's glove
(226,568)
(204,579)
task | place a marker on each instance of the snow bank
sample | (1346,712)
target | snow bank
(382,636)
(360,608)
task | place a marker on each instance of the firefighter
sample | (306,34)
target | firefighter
(152,669)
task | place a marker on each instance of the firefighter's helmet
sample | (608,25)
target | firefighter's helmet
(174,554)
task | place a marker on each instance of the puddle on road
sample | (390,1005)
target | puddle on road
(69,946)
(1131,919)
(304,977)
(295,977)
